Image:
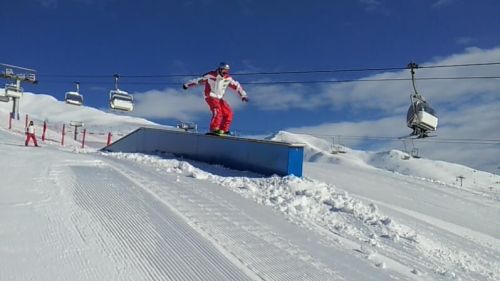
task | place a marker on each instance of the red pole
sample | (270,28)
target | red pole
(44,130)
(63,133)
(83,140)
(109,138)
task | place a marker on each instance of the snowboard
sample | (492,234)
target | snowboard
(220,135)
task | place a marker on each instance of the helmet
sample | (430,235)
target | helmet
(223,65)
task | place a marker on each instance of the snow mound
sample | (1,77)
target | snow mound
(320,150)
(300,199)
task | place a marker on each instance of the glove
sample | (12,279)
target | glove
(244,99)
(184,86)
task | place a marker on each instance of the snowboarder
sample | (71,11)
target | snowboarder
(30,134)
(216,82)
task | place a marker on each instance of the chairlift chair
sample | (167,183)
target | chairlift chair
(421,117)
(31,77)
(74,98)
(3,97)
(120,100)
(9,73)
(11,90)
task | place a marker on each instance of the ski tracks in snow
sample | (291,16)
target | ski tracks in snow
(248,243)
(145,235)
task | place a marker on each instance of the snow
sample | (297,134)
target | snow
(72,213)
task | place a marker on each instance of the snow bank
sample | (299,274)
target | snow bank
(300,199)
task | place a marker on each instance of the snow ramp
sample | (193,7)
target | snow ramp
(259,156)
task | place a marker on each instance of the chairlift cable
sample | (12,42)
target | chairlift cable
(367,69)
(297,81)
(412,66)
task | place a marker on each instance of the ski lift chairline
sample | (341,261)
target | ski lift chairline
(74,98)
(120,100)
(421,117)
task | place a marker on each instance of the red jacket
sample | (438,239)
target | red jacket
(216,85)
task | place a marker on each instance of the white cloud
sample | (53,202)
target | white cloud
(281,97)
(394,96)
(390,97)
(169,103)
(351,132)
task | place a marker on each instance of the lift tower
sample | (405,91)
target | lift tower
(14,90)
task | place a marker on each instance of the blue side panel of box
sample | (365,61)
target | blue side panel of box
(260,156)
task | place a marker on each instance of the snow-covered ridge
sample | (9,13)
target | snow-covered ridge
(320,151)
(45,107)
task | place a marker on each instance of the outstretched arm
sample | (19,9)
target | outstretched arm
(195,82)
(236,86)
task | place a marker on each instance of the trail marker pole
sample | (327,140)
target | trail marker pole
(44,130)
(63,133)
(83,140)
(109,138)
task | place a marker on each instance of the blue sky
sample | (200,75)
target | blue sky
(72,39)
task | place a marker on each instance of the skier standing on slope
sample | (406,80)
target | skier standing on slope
(30,134)
(216,82)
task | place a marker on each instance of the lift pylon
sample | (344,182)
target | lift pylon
(14,91)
